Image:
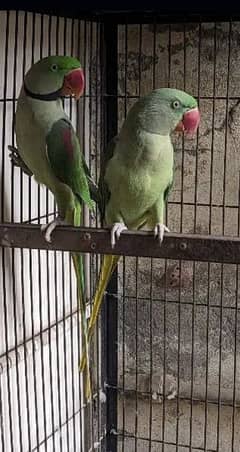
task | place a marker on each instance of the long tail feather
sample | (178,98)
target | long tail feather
(108,266)
(79,272)
(78,266)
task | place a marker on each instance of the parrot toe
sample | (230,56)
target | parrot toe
(159,231)
(116,232)
(49,228)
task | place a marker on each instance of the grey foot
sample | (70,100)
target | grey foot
(18,161)
(159,231)
(116,232)
(49,228)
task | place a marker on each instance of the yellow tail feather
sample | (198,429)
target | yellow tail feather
(82,307)
(73,216)
(108,266)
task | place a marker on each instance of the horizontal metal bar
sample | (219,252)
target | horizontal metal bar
(40,338)
(155,441)
(57,429)
(182,302)
(90,240)
(125,97)
(132,393)
(165,14)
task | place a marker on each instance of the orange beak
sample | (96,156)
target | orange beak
(74,83)
(190,122)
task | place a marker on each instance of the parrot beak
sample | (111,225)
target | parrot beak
(189,122)
(74,83)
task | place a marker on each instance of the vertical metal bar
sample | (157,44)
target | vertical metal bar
(180,262)
(14,251)
(56,273)
(165,283)
(57,348)
(151,285)
(32,298)
(22,266)
(97,354)
(87,419)
(137,265)
(5,310)
(210,230)
(109,56)
(136,356)
(64,357)
(89,413)
(124,259)
(83,440)
(64,313)
(235,338)
(102,147)
(50,335)
(194,263)
(123,353)
(50,338)
(71,295)
(151,357)
(1,416)
(223,232)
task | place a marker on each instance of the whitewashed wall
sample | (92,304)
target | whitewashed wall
(37,289)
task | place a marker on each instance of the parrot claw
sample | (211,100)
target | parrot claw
(49,228)
(159,231)
(18,161)
(116,232)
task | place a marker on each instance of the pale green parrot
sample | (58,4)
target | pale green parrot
(137,173)
(48,147)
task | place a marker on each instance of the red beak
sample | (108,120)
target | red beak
(190,122)
(74,83)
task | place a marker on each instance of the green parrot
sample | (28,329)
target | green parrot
(48,148)
(137,173)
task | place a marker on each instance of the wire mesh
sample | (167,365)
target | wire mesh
(179,377)
(42,406)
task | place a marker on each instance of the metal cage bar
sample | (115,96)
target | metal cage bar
(110,310)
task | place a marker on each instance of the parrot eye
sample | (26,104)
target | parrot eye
(175,104)
(54,67)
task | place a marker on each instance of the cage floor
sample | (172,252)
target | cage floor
(180,432)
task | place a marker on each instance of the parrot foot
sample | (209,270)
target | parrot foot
(49,228)
(18,161)
(159,231)
(116,232)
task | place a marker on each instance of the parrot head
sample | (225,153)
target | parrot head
(166,110)
(62,75)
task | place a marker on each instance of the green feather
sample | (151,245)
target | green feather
(65,158)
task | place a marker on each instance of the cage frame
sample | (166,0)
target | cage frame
(195,247)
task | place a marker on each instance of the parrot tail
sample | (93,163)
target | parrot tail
(107,268)
(74,217)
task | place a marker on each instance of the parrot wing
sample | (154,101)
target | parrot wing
(167,192)
(66,160)
(169,187)
(94,192)
(104,193)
